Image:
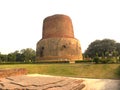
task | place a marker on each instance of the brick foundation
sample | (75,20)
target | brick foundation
(12,72)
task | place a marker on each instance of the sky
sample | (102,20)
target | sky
(21,21)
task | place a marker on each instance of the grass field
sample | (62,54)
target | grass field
(107,71)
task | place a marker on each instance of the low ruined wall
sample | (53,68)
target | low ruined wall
(12,72)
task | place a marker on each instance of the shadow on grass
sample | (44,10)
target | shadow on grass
(117,72)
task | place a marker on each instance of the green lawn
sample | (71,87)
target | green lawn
(73,70)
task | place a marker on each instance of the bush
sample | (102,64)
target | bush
(51,62)
(105,61)
(83,61)
(108,60)
(96,60)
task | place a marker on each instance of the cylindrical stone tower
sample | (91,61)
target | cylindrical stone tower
(58,42)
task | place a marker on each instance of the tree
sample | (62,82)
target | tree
(93,49)
(3,58)
(11,57)
(103,48)
(28,55)
(18,56)
(118,48)
(25,55)
(118,52)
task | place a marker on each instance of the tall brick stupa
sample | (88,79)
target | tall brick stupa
(58,41)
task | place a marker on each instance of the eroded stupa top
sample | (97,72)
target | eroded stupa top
(57,26)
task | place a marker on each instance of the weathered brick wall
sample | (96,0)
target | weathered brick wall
(57,26)
(59,48)
(12,72)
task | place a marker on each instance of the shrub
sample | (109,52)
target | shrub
(83,61)
(104,61)
(96,60)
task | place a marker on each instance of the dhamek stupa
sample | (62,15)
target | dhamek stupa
(58,41)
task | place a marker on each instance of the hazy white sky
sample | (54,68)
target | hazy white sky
(21,21)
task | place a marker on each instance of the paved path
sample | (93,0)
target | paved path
(101,84)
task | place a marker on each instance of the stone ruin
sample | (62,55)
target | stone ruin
(58,41)
(4,73)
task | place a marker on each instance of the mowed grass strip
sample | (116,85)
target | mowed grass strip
(107,71)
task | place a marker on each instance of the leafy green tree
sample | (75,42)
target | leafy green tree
(118,48)
(91,50)
(25,55)
(28,55)
(11,57)
(103,48)
(3,58)
(18,56)
(118,52)
(0,57)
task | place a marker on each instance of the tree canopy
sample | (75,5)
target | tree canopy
(103,48)
(24,55)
